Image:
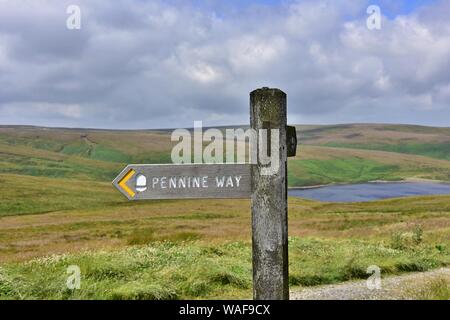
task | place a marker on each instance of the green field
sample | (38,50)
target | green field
(182,249)
(408,139)
(436,150)
(192,270)
(58,208)
(317,165)
(327,154)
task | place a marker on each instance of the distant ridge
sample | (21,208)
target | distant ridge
(299,126)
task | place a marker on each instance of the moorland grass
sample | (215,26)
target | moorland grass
(349,170)
(192,270)
(435,289)
(99,155)
(433,150)
(23,195)
(167,252)
(56,197)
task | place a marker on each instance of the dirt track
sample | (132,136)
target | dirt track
(392,287)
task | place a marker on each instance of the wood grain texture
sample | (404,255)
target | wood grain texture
(269,201)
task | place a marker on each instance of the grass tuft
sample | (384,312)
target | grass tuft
(140,291)
(147,236)
(181,270)
(436,289)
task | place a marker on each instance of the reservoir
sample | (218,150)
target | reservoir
(370,191)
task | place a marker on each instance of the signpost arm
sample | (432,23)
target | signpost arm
(269,199)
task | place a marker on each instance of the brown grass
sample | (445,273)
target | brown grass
(375,133)
(24,237)
(307,152)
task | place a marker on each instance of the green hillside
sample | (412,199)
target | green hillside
(201,249)
(409,139)
(100,154)
(58,207)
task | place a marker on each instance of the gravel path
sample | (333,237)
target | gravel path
(392,287)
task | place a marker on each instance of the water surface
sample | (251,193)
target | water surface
(371,191)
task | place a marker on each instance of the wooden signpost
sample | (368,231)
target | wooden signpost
(184,181)
(269,201)
(268,192)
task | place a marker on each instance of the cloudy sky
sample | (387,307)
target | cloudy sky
(155,64)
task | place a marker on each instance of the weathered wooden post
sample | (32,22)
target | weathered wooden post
(269,200)
(265,182)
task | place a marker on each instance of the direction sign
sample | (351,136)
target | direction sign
(184,181)
(268,110)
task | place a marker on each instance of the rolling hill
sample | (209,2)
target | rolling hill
(75,166)
(327,154)
(410,139)
(58,207)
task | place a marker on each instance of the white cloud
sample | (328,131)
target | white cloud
(50,110)
(165,64)
(250,53)
(202,72)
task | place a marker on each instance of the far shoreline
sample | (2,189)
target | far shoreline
(408,180)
